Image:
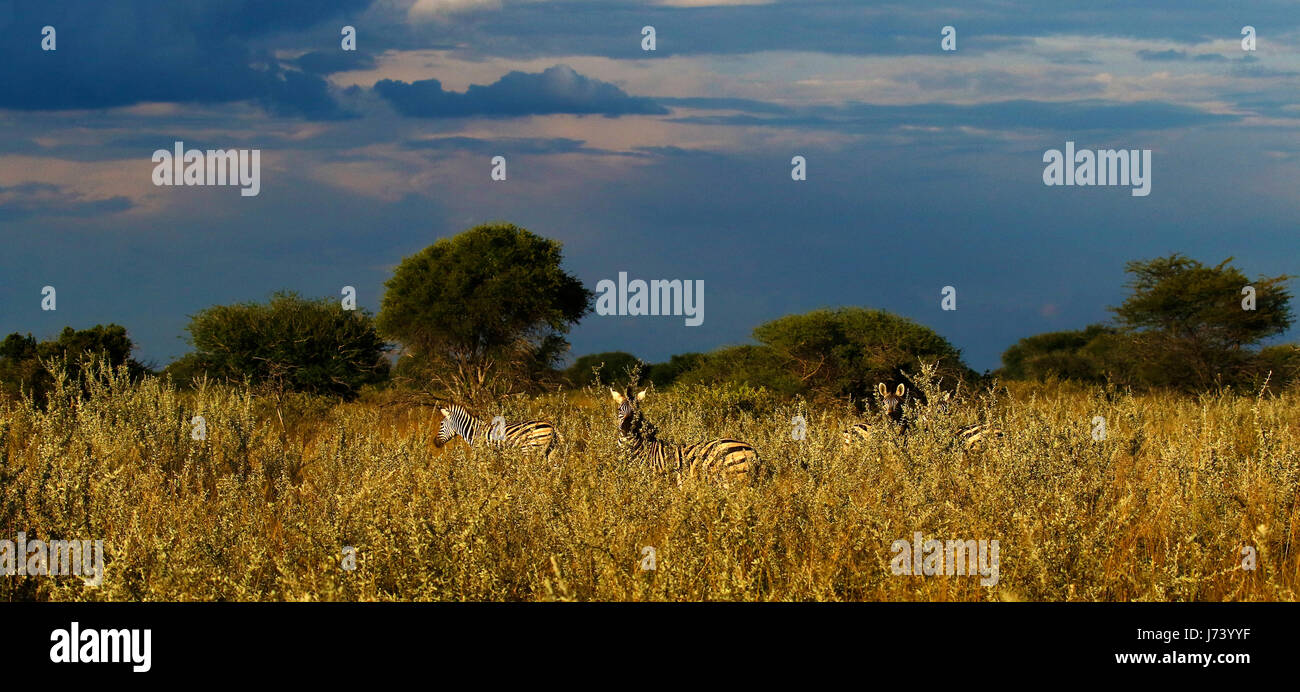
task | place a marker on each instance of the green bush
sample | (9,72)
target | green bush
(23,360)
(289,344)
(832,354)
(1063,355)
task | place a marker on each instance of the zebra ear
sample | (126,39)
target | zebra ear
(617,397)
(640,395)
(884,391)
(900,390)
(444,413)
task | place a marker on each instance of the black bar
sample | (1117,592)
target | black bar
(938,643)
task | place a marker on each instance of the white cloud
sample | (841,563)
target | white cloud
(424,10)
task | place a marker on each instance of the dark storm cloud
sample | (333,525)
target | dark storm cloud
(124,53)
(557,89)
(329,62)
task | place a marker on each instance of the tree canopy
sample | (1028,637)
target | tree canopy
(1068,355)
(846,351)
(1184,325)
(23,360)
(290,343)
(839,353)
(484,309)
(1189,324)
(610,366)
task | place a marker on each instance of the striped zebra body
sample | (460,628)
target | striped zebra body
(725,457)
(722,456)
(530,436)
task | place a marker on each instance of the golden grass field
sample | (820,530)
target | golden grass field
(261,509)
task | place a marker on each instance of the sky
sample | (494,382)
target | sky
(924,166)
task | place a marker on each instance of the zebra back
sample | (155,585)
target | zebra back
(730,458)
(661,455)
(530,436)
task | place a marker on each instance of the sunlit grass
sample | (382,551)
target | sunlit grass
(262,509)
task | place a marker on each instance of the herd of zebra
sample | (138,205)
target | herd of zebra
(639,438)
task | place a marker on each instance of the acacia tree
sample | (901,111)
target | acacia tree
(1188,325)
(482,313)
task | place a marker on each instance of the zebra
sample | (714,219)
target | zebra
(730,458)
(530,436)
(970,436)
(892,403)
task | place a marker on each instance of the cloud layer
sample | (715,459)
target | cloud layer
(558,89)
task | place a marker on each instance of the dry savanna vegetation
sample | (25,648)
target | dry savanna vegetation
(263,508)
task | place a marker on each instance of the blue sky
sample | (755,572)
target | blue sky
(924,166)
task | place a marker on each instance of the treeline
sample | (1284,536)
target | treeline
(485,313)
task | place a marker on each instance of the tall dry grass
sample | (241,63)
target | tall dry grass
(263,508)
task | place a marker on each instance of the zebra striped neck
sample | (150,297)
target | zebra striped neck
(661,456)
(639,436)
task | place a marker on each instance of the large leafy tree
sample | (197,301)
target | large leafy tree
(1188,326)
(289,343)
(677,366)
(484,312)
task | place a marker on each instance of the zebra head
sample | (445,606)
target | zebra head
(892,402)
(455,421)
(628,414)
